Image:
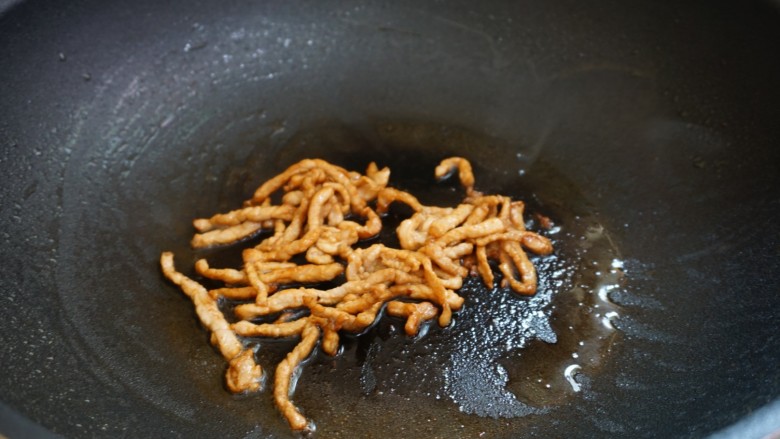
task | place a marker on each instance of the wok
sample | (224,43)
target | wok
(120,122)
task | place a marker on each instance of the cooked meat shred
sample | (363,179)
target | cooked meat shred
(324,212)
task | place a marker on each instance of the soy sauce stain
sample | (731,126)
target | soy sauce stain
(504,356)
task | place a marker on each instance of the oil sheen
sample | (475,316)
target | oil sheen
(505,358)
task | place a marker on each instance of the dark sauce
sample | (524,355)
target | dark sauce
(505,356)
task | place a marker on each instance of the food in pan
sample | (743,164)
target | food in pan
(311,280)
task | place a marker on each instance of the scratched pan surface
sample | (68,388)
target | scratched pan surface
(121,122)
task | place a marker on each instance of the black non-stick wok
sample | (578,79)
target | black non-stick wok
(658,122)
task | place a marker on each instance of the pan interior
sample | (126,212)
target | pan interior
(650,125)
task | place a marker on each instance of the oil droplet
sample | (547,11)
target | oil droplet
(569,373)
(607,319)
